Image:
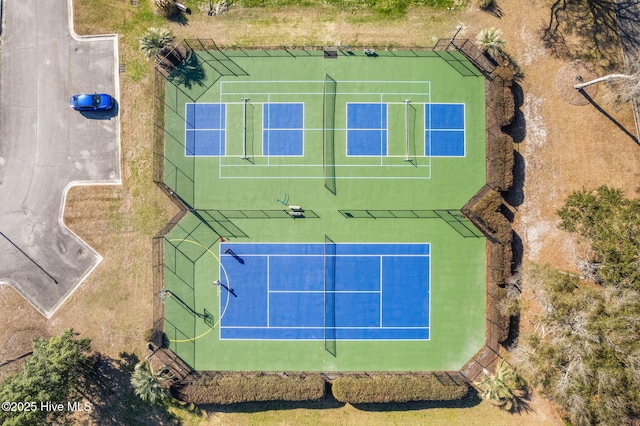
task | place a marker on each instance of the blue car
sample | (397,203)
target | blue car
(91,102)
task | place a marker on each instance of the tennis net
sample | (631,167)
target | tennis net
(329,296)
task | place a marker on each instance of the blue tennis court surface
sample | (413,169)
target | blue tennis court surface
(205,129)
(444,130)
(299,291)
(367,129)
(282,129)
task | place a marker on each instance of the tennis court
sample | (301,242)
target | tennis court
(325,196)
(298,291)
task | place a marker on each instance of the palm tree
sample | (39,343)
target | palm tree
(490,41)
(147,384)
(504,388)
(155,39)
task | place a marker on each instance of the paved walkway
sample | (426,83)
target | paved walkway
(45,147)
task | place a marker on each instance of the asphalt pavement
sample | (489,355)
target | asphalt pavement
(46,147)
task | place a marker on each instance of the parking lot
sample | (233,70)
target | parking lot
(46,147)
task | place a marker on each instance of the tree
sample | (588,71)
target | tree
(490,41)
(610,223)
(155,39)
(147,384)
(484,4)
(504,388)
(167,7)
(626,85)
(51,375)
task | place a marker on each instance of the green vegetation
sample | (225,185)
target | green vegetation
(382,7)
(610,223)
(504,388)
(584,352)
(52,374)
(490,41)
(148,384)
(231,389)
(154,40)
(381,389)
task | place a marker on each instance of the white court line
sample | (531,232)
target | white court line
(337,255)
(268,292)
(319,327)
(328,291)
(381,257)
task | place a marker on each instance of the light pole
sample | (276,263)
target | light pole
(458,29)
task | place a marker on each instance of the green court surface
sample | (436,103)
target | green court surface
(320,156)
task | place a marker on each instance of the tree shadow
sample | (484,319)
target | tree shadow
(584,30)
(108,388)
(471,400)
(328,402)
(494,10)
(609,116)
(518,127)
(515,195)
(188,72)
(180,18)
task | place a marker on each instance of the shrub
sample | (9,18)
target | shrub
(149,335)
(366,390)
(484,4)
(231,389)
(503,321)
(501,161)
(505,106)
(506,73)
(499,261)
(484,210)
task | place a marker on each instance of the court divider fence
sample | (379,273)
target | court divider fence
(454,218)
(328,132)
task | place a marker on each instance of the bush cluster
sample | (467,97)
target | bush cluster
(485,211)
(484,4)
(500,161)
(504,107)
(503,321)
(499,261)
(379,389)
(231,389)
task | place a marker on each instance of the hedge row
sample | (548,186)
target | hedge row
(485,211)
(499,261)
(503,321)
(235,389)
(500,161)
(503,79)
(365,389)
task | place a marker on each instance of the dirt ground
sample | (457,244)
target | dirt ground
(563,144)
